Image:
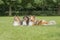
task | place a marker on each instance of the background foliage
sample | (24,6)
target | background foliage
(30,7)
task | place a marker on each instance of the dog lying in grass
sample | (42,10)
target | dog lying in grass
(25,20)
(17,21)
(44,22)
(31,20)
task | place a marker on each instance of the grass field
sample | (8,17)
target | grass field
(9,32)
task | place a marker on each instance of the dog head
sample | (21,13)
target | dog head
(16,18)
(26,18)
(32,18)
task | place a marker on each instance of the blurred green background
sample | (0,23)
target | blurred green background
(30,7)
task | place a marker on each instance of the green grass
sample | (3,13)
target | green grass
(9,32)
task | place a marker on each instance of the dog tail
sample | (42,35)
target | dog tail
(51,23)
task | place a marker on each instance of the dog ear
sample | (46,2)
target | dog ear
(14,17)
(33,16)
(18,17)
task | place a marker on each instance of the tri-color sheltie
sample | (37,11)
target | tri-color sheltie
(25,20)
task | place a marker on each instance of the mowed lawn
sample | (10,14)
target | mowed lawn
(9,32)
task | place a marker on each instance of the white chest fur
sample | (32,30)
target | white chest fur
(16,23)
(31,23)
(24,23)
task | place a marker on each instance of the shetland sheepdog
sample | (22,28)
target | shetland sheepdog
(25,20)
(44,22)
(32,20)
(17,21)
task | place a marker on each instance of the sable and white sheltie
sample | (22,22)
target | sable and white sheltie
(44,22)
(17,21)
(32,20)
